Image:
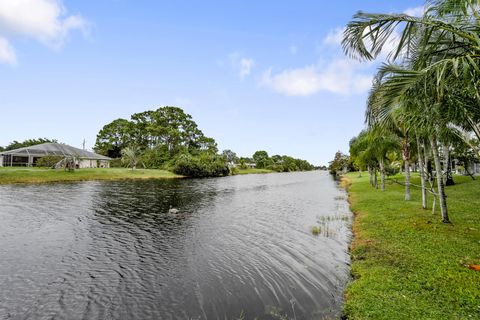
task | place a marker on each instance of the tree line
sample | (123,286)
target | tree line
(168,138)
(261,160)
(26,143)
(423,109)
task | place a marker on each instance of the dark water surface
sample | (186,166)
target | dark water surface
(239,246)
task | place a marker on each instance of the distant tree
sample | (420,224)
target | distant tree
(260,158)
(243,162)
(303,165)
(277,159)
(207,144)
(172,127)
(114,137)
(339,164)
(27,143)
(289,164)
(284,163)
(160,134)
(230,156)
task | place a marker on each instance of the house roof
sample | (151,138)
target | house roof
(55,149)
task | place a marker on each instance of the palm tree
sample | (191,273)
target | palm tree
(381,144)
(372,147)
(389,116)
(422,163)
(440,57)
(442,46)
(131,156)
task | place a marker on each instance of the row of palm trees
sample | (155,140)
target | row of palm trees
(426,96)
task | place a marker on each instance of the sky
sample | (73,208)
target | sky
(255,75)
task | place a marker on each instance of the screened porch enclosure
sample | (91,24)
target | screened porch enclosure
(28,156)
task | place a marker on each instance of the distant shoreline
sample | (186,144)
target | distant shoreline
(22,175)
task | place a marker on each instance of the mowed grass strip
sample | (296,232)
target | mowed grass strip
(406,263)
(253,171)
(39,175)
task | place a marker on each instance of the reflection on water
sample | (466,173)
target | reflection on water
(239,246)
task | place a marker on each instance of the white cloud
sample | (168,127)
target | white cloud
(297,82)
(43,20)
(415,12)
(341,76)
(246,65)
(7,54)
(334,37)
(242,65)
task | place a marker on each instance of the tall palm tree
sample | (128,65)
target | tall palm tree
(438,52)
(442,46)
(389,116)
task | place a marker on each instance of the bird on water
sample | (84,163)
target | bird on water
(172,210)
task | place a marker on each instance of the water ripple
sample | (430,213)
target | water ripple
(238,246)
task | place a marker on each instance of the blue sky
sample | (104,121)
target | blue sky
(255,75)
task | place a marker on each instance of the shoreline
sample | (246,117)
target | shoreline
(406,263)
(20,175)
(23,175)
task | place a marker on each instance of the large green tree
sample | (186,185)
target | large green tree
(161,134)
(260,158)
(114,137)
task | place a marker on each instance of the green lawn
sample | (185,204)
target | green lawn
(253,171)
(39,175)
(406,263)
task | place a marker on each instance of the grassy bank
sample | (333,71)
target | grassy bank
(253,171)
(406,264)
(39,175)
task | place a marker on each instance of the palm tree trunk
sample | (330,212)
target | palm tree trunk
(382,174)
(422,173)
(406,160)
(428,165)
(448,167)
(370,174)
(375,182)
(441,189)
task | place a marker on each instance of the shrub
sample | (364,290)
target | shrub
(276,167)
(234,171)
(116,163)
(156,157)
(204,165)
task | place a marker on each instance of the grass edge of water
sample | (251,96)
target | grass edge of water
(406,264)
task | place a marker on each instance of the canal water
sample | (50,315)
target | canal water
(239,247)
